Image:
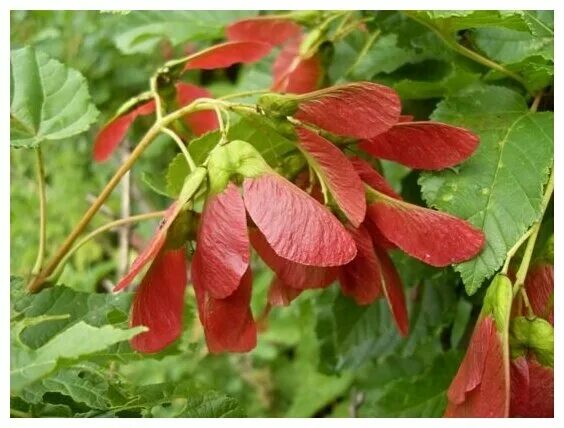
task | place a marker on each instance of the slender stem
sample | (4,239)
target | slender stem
(468,53)
(511,253)
(181,146)
(125,211)
(244,94)
(527,303)
(156,96)
(525,262)
(108,226)
(40,169)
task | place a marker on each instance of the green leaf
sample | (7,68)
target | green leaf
(451,21)
(184,400)
(510,46)
(537,72)
(48,101)
(94,309)
(499,189)
(84,383)
(308,389)
(158,183)
(540,22)
(140,31)
(351,335)
(408,395)
(28,365)
(176,173)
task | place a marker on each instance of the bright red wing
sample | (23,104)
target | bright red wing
(152,249)
(539,285)
(294,74)
(423,145)
(481,386)
(279,294)
(222,253)
(360,110)
(532,389)
(292,274)
(226,54)
(296,226)
(362,277)
(337,171)
(199,122)
(111,135)
(159,302)
(228,323)
(433,237)
(372,177)
(393,291)
(271,30)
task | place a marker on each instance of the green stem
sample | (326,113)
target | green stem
(156,96)
(526,261)
(511,253)
(182,147)
(468,53)
(40,169)
(98,231)
(245,94)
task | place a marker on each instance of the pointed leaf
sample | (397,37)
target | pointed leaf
(337,172)
(360,110)
(361,279)
(292,274)
(294,74)
(222,253)
(199,122)
(296,226)
(226,54)
(267,29)
(113,132)
(159,302)
(423,145)
(152,249)
(433,237)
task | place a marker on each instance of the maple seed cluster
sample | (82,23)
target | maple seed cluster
(334,220)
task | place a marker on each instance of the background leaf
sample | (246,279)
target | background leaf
(48,101)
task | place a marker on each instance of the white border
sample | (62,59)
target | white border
(5,7)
